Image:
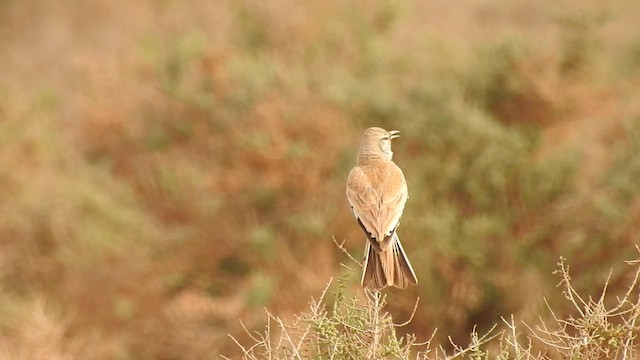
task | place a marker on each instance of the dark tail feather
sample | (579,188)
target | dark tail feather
(404,274)
(373,274)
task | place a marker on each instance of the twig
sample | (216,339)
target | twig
(570,293)
(376,332)
(413,313)
(476,342)
(344,250)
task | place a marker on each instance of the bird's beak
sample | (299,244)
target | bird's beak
(394,134)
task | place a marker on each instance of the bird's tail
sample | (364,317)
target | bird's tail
(389,267)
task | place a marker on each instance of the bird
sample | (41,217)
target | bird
(377,192)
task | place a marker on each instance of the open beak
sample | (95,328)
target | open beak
(394,134)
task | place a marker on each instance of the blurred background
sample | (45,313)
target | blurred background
(169,168)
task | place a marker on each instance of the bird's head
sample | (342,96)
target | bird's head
(377,141)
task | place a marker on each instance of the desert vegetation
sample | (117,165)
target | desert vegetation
(169,170)
(361,329)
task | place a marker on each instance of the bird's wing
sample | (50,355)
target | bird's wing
(362,197)
(393,195)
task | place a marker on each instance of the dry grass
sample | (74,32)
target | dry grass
(361,328)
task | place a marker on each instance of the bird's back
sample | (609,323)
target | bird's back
(377,191)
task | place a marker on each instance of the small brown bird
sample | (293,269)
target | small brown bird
(377,192)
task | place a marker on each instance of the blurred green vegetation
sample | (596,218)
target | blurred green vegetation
(170,168)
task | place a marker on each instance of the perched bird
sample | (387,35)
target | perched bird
(377,192)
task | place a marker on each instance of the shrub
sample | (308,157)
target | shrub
(359,327)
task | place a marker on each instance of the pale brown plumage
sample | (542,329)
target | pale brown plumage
(377,193)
